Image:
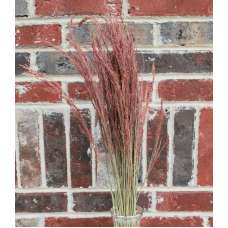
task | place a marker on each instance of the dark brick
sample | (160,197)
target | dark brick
(79,222)
(20,60)
(170,7)
(41,202)
(102,201)
(55,149)
(158,174)
(21,8)
(183,145)
(210,221)
(184,201)
(81,167)
(205,149)
(28,222)
(143,33)
(92,202)
(186,33)
(172,222)
(56,63)
(28,139)
(176,63)
(83,33)
(145,200)
(77,7)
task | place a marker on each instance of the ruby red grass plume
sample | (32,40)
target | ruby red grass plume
(121,102)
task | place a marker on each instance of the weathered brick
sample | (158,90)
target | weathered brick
(172,222)
(186,33)
(186,90)
(56,63)
(55,149)
(16,181)
(143,33)
(104,175)
(170,7)
(83,33)
(103,169)
(205,148)
(158,174)
(77,7)
(21,59)
(38,92)
(81,167)
(41,202)
(102,201)
(28,139)
(176,62)
(79,222)
(77,90)
(28,222)
(183,144)
(21,8)
(184,201)
(38,35)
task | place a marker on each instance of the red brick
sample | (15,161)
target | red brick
(205,150)
(77,7)
(38,35)
(210,221)
(171,7)
(81,222)
(171,222)
(78,91)
(186,90)
(107,222)
(184,201)
(38,92)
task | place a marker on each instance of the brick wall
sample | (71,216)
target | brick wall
(58,182)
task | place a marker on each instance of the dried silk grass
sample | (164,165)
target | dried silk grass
(121,102)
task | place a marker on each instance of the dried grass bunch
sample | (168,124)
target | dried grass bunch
(121,102)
